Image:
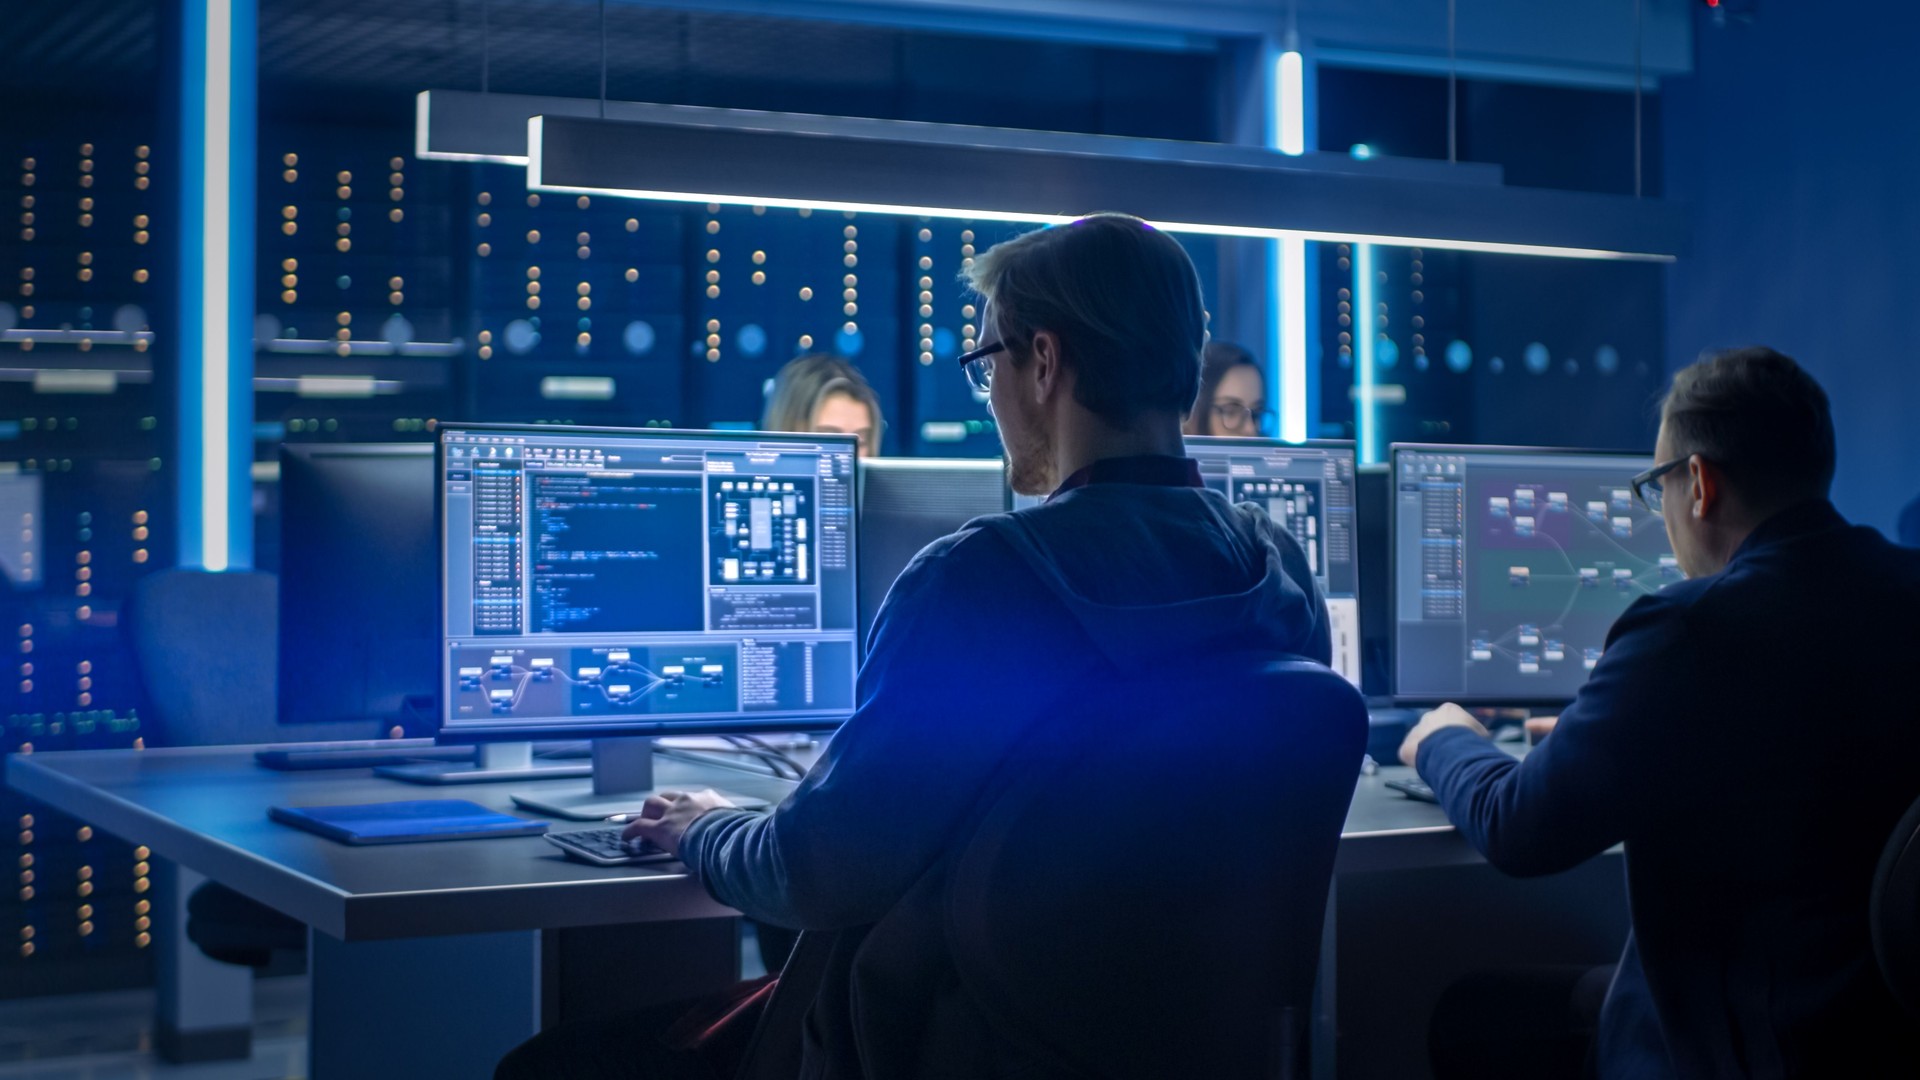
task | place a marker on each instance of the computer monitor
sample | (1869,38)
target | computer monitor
(613,584)
(908,503)
(358,572)
(1372,534)
(1307,488)
(1510,567)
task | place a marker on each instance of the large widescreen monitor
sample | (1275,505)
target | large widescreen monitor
(606,583)
(1510,566)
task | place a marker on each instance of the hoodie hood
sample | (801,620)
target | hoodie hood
(1170,564)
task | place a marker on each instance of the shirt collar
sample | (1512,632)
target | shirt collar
(1154,470)
(1796,521)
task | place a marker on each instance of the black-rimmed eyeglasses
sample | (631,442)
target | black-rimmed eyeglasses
(1647,486)
(978,365)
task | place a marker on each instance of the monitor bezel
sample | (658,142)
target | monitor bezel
(1394,450)
(566,730)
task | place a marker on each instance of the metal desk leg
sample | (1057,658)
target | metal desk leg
(203,1008)
(1326,1028)
(440,1006)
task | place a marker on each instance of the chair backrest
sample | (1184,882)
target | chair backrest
(1895,911)
(205,645)
(1146,898)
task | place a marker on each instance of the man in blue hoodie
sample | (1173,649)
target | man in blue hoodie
(1746,736)
(1090,337)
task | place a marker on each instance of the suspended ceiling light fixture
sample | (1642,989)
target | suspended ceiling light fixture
(944,171)
(702,155)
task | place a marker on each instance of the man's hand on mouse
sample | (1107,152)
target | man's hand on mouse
(1445,716)
(666,817)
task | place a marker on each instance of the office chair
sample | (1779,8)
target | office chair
(1146,898)
(1895,911)
(205,647)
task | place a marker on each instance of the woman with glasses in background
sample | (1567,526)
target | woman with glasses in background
(1233,394)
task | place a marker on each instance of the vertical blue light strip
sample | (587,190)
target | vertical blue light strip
(1365,336)
(1287,259)
(216,98)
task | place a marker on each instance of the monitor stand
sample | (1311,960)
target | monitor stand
(494,763)
(622,780)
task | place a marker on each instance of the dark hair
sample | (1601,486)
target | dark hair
(1758,416)
(1124,300)
(1218,358)
(803,384)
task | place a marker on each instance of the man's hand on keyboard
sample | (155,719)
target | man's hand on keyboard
(666,817)
(1445,716)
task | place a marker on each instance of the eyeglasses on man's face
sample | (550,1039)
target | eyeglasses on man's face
(978,365)
(1647,486)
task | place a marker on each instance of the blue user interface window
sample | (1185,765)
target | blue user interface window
(664,581)
(1510,567)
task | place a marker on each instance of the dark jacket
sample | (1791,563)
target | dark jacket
(983,637)
(1751,737)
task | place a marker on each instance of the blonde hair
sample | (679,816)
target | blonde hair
(804,383)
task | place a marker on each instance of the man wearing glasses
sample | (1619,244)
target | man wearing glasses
(1089,358)
(1746,735)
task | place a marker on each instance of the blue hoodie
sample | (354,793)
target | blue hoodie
(982,638)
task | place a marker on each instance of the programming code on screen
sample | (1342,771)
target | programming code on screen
(648,577)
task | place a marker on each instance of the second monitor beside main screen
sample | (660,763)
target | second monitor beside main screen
(1510,567)
(604,583)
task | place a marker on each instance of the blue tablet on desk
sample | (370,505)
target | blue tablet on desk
(405,822)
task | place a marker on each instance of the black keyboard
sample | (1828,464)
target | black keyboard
(604,847)
(1414,789)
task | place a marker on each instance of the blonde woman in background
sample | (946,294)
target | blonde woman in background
(824,392)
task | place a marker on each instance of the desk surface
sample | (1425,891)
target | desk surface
(205,808)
